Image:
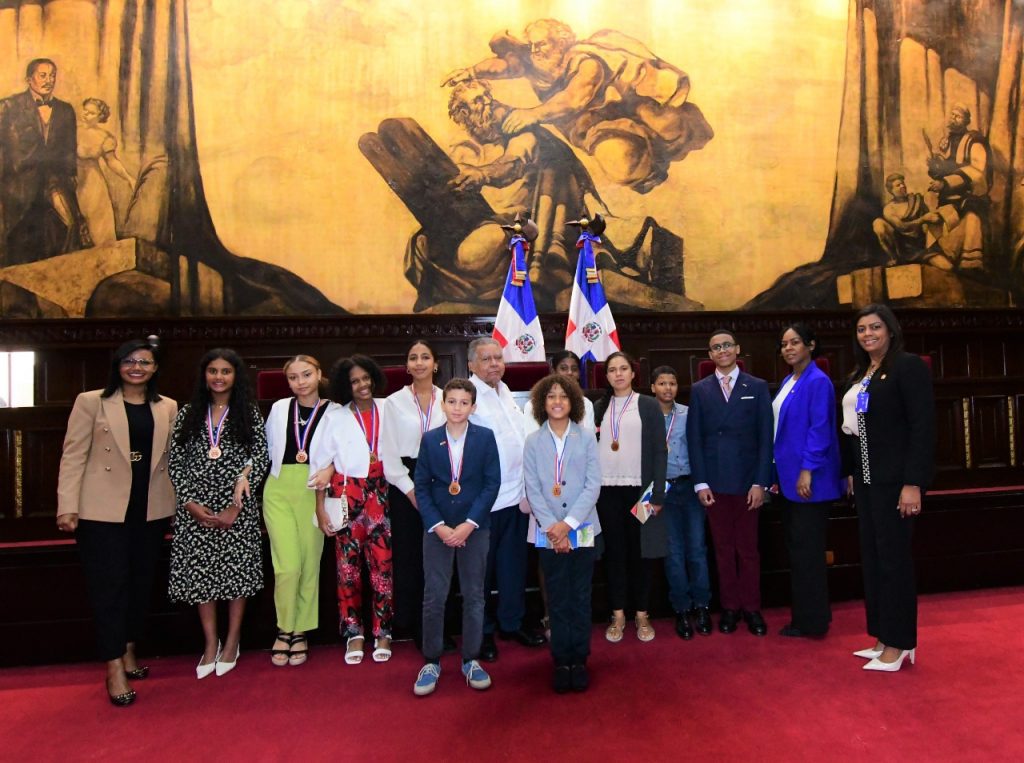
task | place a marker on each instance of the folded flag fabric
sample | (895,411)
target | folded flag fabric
(590,331)
(517,327)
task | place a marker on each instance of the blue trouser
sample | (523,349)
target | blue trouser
(686,566)
(506,569)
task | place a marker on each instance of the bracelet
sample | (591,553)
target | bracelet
(241,477)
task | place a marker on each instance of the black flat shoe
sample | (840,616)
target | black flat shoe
(755,623)
(562,680)
(524,637)
(683,628)
(580,678)
(488,649)
(138,673)
(791,631)
(702,620)
(728,621)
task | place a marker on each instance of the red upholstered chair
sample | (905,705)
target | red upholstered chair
(397,378)
(824,365)
(927,361)
(271,384)
(520,377)
(597,379)
(707,367)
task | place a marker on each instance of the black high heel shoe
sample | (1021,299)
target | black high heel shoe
(138,673)
(120,700)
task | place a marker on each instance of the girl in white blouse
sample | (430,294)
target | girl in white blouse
(409,412)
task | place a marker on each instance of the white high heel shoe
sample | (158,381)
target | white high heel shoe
(868,654)
(891,667)
(223,666)
(202,671)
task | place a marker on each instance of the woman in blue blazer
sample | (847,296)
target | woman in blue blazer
(563,479)
(809,469)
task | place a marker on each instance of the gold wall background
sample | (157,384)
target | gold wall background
(283,89)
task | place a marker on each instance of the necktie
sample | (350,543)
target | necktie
(726,381)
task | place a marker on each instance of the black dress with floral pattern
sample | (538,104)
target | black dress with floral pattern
(209,564)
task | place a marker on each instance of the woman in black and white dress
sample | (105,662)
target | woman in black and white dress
(218,450)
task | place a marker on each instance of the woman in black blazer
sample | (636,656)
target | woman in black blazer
(888,448)
(631,447)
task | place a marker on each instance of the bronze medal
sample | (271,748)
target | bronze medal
(214,452)
(556,491)
(615,444)
(301,457)
(373,458)
(455,488)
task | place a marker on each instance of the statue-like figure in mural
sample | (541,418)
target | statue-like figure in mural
(532,173)
(100,172)
(608,95)
(901,228)
(961,176)
(39,213)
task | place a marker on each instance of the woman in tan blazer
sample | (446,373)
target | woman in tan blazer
(114,494)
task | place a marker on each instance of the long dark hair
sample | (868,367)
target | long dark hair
(341,386)
(860,355)
(114,381)
(241,401)
(602,404)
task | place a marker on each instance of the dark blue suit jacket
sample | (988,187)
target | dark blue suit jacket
(730,443)
(480,481)
(807,438)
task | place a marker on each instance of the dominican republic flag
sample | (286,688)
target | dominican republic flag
(590,332)
(517,328)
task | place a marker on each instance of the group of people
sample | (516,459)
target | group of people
(430,478)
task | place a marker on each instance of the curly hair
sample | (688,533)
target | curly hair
(101,107)
(539,394)
(341,385)
(241,401)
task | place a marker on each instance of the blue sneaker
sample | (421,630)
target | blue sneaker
(476,676)
(426,681)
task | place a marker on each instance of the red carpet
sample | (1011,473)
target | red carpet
(731,697)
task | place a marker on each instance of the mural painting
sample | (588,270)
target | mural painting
(304,157)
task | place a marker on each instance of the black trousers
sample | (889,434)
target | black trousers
(890,594)
(568,578)
(406,560)
(628,572)
(119,560)
(806,529)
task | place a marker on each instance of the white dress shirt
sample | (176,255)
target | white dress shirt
(497,410)
(400,437)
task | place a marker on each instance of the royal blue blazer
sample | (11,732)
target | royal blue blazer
(480,480)
(807,438)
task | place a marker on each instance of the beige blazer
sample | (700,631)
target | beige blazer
(95,471)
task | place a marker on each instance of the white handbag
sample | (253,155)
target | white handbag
(336,509)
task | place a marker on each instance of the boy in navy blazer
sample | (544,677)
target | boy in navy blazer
(729,431)
(457,480)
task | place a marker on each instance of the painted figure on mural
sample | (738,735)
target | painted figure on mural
(901,228)
(100,171)
(38,172)
(608,95)
(961,176)
(532,173)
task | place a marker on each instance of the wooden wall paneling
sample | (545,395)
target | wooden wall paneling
(950,445)
(990,431)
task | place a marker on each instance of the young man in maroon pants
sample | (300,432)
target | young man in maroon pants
(729,431)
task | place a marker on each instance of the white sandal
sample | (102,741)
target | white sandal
(382,649)
(353,655)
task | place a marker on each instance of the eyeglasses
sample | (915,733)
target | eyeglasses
(140,362)
(722,346)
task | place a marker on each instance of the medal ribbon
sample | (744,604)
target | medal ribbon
(456,475)
(424,418)
(215,433)
(559,459)
(617,419)
(671,424)
(301,441)
(374,435)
